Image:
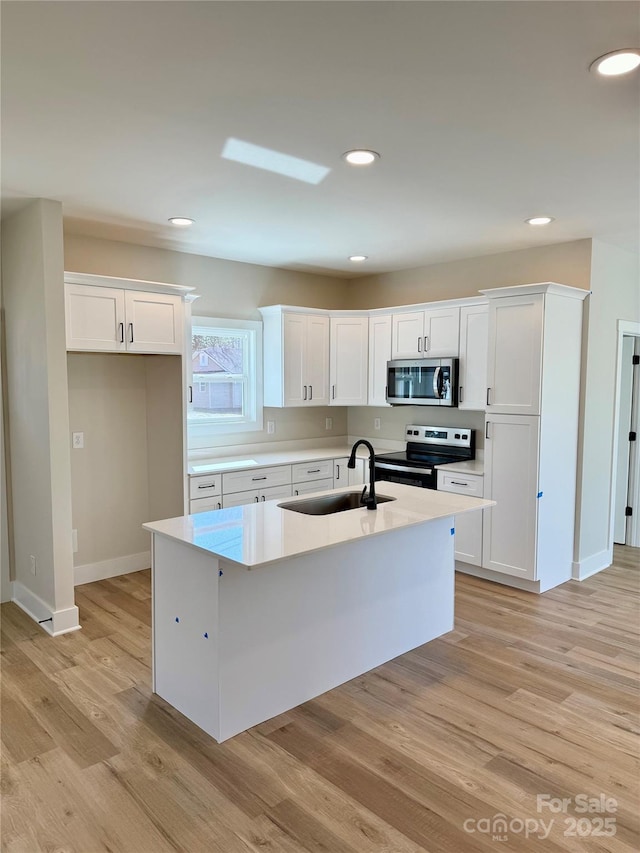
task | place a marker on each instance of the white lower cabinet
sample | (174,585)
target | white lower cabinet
(205,504)
(343,476)
(511,479)
(273,493)
(468,527)
(312,486)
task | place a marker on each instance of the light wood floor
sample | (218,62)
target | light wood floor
(529,695)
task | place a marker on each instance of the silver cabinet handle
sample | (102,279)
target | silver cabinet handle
(456,483)
(121,327)
(258,478)
(310,392)
(486,430)
(305,393)
(419,344)
(488,392)
(426,343)
(313,471)
(460,394)
(210,486)
(131,333)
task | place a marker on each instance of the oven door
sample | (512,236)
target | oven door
(423,478)
(421,382)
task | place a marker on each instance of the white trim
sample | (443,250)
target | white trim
(540,287)
(583,569)
(126,283)
(62,621)
(631,328)
(111,568)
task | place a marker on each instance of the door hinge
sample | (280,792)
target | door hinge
(632,436)
(635,359)
(628,511)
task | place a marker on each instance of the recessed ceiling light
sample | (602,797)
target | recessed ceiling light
(617,62)
(358,258)
(539,220)
(360,157)
(181,221)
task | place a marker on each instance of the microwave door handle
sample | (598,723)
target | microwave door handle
(437,383)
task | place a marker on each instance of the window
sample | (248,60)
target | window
(226,385)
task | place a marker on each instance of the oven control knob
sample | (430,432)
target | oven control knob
(416,432)
(465,436)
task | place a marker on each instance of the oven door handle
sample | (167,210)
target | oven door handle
(387,467)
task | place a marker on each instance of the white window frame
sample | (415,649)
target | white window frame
(201,430)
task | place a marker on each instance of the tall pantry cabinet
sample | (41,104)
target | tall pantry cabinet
(531,432)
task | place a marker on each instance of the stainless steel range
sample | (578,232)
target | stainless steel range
(427,446)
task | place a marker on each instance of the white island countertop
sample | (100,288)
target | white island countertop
(261,533)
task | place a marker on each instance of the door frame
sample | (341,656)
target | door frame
(625,328)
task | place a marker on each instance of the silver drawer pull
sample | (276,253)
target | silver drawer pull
(258,478)
(455,483)
(314,471)
(210,486)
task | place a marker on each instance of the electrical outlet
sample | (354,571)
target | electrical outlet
(271,427)
(34,566)
(74,541)
(376,423)
(77,440)
(328,423)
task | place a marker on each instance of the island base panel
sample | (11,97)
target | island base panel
(289,631)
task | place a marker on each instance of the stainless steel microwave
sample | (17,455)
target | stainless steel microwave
(422,382)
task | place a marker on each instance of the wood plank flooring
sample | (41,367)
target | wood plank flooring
(530,695)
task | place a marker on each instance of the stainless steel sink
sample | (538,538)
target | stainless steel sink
(328,504)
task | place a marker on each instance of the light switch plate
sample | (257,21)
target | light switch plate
(77,440)
(328,423)
(376,423)
(271,427)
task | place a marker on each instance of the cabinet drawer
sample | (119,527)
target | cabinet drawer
(258,478)
(312,486)
(303,472)
(460,484)
(205,486)
(205,504)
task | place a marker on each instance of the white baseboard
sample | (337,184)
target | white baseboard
(54,622)
(111,568)
(583,569)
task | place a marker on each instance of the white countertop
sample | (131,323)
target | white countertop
(275,457)
(262,533)
(473,466)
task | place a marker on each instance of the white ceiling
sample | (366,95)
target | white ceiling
(484,114)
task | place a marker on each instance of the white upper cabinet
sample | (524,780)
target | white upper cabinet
(296,357)
(348,355)
(109,319)
(515,354)
(379,355)
(432,333)
(472,382)
(154,322)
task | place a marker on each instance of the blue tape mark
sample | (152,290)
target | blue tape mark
(539,495)
(177,618)
(453,530)
(220,573)
(206,635)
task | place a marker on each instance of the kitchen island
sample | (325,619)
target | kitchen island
(259,608)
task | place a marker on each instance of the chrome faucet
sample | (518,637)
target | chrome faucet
(370,500)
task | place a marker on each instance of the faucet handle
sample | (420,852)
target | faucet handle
(362,496)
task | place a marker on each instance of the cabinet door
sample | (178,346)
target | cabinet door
(240,499)
(349,350)
(441,332)
(340,472)
(511,479)
(407,335)
(515,354)
(154,322)
(474,331)
(305,471)
(357,475)
(295,384)
(275,493)
(313,486)
(205,504)
(379,355)
(468,538)
(94,318)
(316,362)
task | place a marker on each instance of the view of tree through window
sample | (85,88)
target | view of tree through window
(219,374)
